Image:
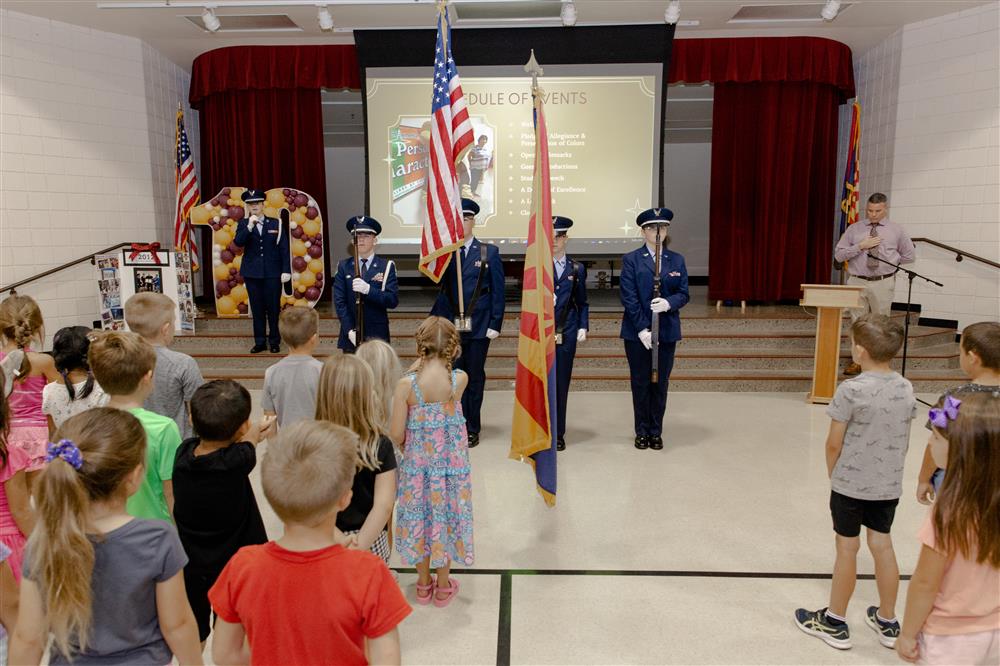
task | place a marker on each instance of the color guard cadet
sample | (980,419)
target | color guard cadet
(266,265)
(572,318)
(645,298)
(483,301)
(365,288)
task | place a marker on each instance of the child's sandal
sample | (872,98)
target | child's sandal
(452,592)
(425,593)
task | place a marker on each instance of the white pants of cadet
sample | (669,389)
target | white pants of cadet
(876,298)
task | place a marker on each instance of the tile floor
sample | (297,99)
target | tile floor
(676,557)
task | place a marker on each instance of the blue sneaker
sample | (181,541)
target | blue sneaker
(815,623)
(887,632)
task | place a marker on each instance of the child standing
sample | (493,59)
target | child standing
(865,450)
(177,375)
(290,384)
(27,374)
(347,397)
(268,594)
(123,364)
(979,358)
(434,517)
(17,518)
(214,506)
(107,586)
(78,391)
(953,603)
(382,359)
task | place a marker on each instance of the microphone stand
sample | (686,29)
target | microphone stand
(910,275)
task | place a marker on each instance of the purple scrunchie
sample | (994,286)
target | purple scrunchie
(66,450)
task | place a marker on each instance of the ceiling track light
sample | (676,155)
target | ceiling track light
(325,19)
(830,10)
(211,21)
(673,13)
(568,13)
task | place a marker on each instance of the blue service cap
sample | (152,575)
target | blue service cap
(561,224)
(655,216)
(363,224)
(253,196)
(469,207)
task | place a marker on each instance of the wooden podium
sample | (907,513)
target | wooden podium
(829,299)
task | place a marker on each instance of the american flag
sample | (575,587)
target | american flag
(451,136)
(187,194)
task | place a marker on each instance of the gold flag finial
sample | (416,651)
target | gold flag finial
(532,67)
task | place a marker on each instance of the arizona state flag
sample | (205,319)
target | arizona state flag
(852,174)
(533,431)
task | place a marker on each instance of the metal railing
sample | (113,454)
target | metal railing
(69,264)
(959,254)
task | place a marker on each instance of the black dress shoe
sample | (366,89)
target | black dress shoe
(642,442)
(275,349)
(256,349)
(560,444)
(656,442)
(473,440)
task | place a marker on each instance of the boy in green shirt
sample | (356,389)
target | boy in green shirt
(123,365)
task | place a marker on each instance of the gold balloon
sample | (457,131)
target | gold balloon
(310,227)
(221,271)
(201,215)
(306,279)
(275,198)
(226,306)
(223,238)
(299,217)
(302,302)
(238,261)
(298,248)
(239,293)
(316,266)
(269,211)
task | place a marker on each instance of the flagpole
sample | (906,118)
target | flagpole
(177,201)
(462,324)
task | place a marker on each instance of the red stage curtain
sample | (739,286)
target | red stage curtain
(774,157)
(273,67)
(763,59)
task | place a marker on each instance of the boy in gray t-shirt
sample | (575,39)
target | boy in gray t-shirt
(176,376)
(865,450)
(290,385)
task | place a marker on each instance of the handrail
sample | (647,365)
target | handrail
(68,264)
(959,254)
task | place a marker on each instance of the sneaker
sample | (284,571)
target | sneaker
(887,632)
(815,623)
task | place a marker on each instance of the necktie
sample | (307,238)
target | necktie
(872,262)
(364,267)
(257,228)
(560,267)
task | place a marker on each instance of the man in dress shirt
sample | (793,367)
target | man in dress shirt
(875,236)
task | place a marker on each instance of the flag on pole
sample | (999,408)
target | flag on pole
(451,136)
(533,430)
(852,174)
(186,183)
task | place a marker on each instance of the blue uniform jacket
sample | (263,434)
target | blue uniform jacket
(383,296)
(263,256)
(490,306)
(637,292)
(571,292)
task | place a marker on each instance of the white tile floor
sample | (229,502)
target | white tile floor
(740,487)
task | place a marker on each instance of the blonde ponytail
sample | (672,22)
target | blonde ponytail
(98,450)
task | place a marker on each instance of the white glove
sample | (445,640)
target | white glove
(659,305)
(581,335)
(285,277)
(253,219)
(646,338)
(361,286)
(353,337)
(491,334)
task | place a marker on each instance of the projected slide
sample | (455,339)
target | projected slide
(602,147)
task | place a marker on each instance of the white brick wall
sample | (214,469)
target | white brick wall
(930,139)
(86,154)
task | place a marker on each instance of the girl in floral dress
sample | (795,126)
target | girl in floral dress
(434,511)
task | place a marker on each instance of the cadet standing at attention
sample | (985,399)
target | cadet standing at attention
(375,286)
(572,318)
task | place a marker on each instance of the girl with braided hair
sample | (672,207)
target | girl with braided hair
(77,391)
(434,513)
(27,372)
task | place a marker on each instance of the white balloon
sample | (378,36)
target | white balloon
(216,219)
(295,276)
(224,212)
(308,244)
(311,203)
(293,224)
(208,205)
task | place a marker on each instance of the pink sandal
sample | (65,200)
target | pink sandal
(428,591)
(452,591)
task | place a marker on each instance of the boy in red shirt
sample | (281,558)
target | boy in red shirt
(305,598)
